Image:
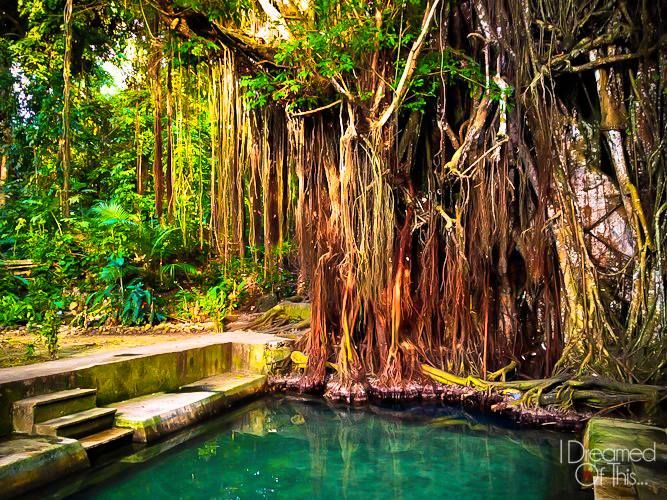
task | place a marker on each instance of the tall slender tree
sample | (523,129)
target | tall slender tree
(154,74)
(66,146)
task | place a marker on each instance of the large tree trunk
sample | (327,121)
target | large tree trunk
(519,217)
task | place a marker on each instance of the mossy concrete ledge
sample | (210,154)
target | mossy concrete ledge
(233,386)
(156,415)
(31,411)
(128,373)
(625,459)
(27,462)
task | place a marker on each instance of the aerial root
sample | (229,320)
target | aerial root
(295,314)
(562,391)
(503,372)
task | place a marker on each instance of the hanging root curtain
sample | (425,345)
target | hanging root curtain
(482,200)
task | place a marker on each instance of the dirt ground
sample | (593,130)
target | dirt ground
(22,346)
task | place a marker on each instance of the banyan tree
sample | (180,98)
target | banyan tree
(470,185)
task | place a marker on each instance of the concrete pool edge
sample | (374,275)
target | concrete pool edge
(624,459)
(26,462)
(157,415)
(127,373)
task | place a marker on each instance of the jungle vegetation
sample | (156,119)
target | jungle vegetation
(477,186)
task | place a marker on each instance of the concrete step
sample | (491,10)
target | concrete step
(234,385)
(27,462)
(30,411)
(156,415)
(105,440)
(78,424)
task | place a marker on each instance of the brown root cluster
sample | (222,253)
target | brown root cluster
(517,219)
(432,392)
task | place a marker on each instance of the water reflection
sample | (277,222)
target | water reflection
(306,449)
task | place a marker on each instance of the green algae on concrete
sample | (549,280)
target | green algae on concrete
(234,386)
(122,377)
(136,376)
(27,462)
(156,415)
(260,358)
(277,357)
(625,459)
(248,357)
(76,425)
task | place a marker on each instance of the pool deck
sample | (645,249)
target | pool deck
(156,415)
(59,366)
(29,461)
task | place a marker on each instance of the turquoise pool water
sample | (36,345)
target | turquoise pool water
(295,448)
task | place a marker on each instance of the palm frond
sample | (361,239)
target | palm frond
(178,267)
(160,236)
(111,213)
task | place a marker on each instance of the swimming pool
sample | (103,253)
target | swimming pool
(287,447)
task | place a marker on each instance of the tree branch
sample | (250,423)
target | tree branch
(410,66)
(191,24)
(276,18)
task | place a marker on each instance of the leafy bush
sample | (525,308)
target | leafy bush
(26,300)
(15,310)
(122,262)
(187,305)
(128,303)
(220,299)
(139,307)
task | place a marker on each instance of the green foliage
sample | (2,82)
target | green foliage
(259,89)
(15,310)
(29,351)
(220,299)
(110,252)
(112,213)
(116,270)
(49,331)
(217,9)
(139,307)
(186,304)
(25,301)
(344,36)
(336,47)
(130,304)
(226,286)
(176,269)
